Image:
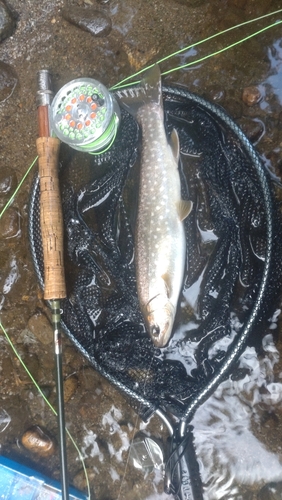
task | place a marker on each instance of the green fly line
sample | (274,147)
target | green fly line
(201,59)
(116,86)
(184,49)
(46,401)
(9,202)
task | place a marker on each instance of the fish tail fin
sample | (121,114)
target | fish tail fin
(149,91)
(152,84)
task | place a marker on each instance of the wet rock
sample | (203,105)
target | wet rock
(251,95)
(90,380)
(79,480)
(26,337)
(32,363)
(10,224)
(12,405)
(38,441)
(5,420)
(41,328)
(271,491)
(8,182)
(72,359)
(89,19)
(7,23)
(216,94)
(70,386)
(139,58)
(8,81)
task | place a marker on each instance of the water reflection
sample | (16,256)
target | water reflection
(273,81)
(232,457)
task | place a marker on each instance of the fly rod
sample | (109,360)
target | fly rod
(51,224)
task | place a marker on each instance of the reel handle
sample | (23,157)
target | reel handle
(51,218)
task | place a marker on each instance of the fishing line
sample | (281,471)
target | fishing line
(128,455)
(120,84)
(9,202)
(191,63)
(224,49)
(46,401)
(116,86)
(133,432)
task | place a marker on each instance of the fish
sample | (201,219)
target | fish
(160,244)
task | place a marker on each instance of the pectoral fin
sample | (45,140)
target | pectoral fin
(167,281)
(174,144)
(184,208)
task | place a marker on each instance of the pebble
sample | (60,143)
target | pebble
(89,19)
(7,23)
(8,182)
(251,95)
(41,328)
(10,224)
(70,386)
(38,441)
(79,480)
(8,81)
(215,94)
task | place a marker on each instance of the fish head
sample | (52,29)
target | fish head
(159,319)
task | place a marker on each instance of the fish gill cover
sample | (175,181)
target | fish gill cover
(233,269)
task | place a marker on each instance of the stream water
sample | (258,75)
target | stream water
(238,430)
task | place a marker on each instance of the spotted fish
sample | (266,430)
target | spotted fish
(159,239)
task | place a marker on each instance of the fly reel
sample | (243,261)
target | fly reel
(85,115)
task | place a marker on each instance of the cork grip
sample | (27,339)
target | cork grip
(51,219)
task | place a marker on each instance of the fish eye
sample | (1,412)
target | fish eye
(155,330)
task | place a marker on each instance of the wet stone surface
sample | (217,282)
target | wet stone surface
(97,415)
(41,328)
(89,19)
(251,95)
(38,441)
(10,224)
(8,81)
(7,22)
(272,491)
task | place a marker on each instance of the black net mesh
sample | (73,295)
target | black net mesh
(233,271)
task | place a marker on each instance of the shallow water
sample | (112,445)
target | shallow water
(238,430)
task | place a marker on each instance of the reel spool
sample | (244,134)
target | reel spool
(85,115)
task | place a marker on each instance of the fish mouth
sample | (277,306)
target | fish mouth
(159,319)
(160,335)
(155,331)
(158,339)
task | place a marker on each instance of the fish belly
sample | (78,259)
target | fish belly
(160,238)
